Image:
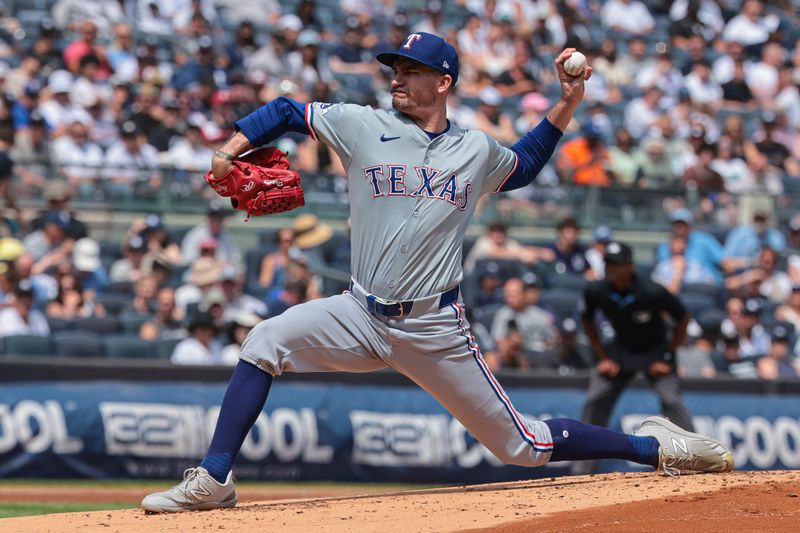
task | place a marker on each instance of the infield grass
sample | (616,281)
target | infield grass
(12,509)
(9,509)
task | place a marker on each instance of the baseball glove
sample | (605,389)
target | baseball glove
(260,183)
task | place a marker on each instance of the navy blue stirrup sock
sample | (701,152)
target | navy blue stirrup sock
(243,401)
(575,441)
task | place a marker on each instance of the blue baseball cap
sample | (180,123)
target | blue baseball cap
(603,234)
(682,214)
(428,49)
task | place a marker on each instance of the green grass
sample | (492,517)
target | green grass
(11,509)
(8,510)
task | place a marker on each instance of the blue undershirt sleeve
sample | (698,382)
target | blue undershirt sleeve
(533,151)
(272,120)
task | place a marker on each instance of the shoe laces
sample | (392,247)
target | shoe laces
(191,479)
(673,464)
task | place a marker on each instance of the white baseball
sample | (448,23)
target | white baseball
(575,64)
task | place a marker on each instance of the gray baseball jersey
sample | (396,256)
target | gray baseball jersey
(411,199)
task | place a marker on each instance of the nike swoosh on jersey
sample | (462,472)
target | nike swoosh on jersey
(384,138)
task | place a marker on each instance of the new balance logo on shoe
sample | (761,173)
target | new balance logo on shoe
(200,490)
(679,443)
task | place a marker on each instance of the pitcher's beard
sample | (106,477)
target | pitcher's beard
(401,105)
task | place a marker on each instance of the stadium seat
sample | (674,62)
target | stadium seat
(102,325)
(126,345)
(176,277)
(253,269)
(712,292)
(696,303)
(165,347)
(110,251)
(77,343)
(132,322)
(114,303)
(176,235)
(506,268)
(120,287)
(485,314)
(58,323)
(572,282)
(26,345)
(560,302)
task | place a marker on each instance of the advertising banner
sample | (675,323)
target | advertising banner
(332,431)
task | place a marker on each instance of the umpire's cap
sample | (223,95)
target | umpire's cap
(428,49)
(618,253)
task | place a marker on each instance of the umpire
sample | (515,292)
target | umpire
(635,307)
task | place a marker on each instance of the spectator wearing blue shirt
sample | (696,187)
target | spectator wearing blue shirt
(746,241)
(701,247)
(199,68)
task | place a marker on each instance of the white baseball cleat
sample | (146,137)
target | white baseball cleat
(684,452)
(197,492)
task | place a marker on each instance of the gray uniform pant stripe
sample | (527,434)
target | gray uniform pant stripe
(435,351)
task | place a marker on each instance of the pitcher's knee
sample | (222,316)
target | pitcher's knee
(523,456)
(262,345)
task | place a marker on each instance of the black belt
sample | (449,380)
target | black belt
(396,309)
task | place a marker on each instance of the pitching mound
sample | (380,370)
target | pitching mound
(740,501)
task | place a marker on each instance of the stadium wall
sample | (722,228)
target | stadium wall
(66,420)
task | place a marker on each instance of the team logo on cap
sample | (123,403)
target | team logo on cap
(614,248)
(411,38)
(445,64)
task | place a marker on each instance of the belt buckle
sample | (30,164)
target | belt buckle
(386,304)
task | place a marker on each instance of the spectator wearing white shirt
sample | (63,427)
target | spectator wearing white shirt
(240,326)
(750,27)
(629,16)
(79,158)
(87,89)
(130,161)
(641,114)
(308,64)
(664,74)
(734,170)
(724,65)
(227,251)
(204,275)
(763,77)
(20,318)
(201,347)
(152,19)
(189,152)
(59,111)
(702,87)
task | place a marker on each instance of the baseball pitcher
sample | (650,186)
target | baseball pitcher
(415,179)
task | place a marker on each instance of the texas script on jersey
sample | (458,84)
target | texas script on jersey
(391,179)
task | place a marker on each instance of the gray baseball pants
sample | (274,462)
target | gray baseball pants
(432,346)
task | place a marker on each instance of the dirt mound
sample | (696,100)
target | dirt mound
(750,501)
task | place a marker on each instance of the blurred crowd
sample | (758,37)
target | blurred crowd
(741,288)
(694,93)
(124,98)
(162,292)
